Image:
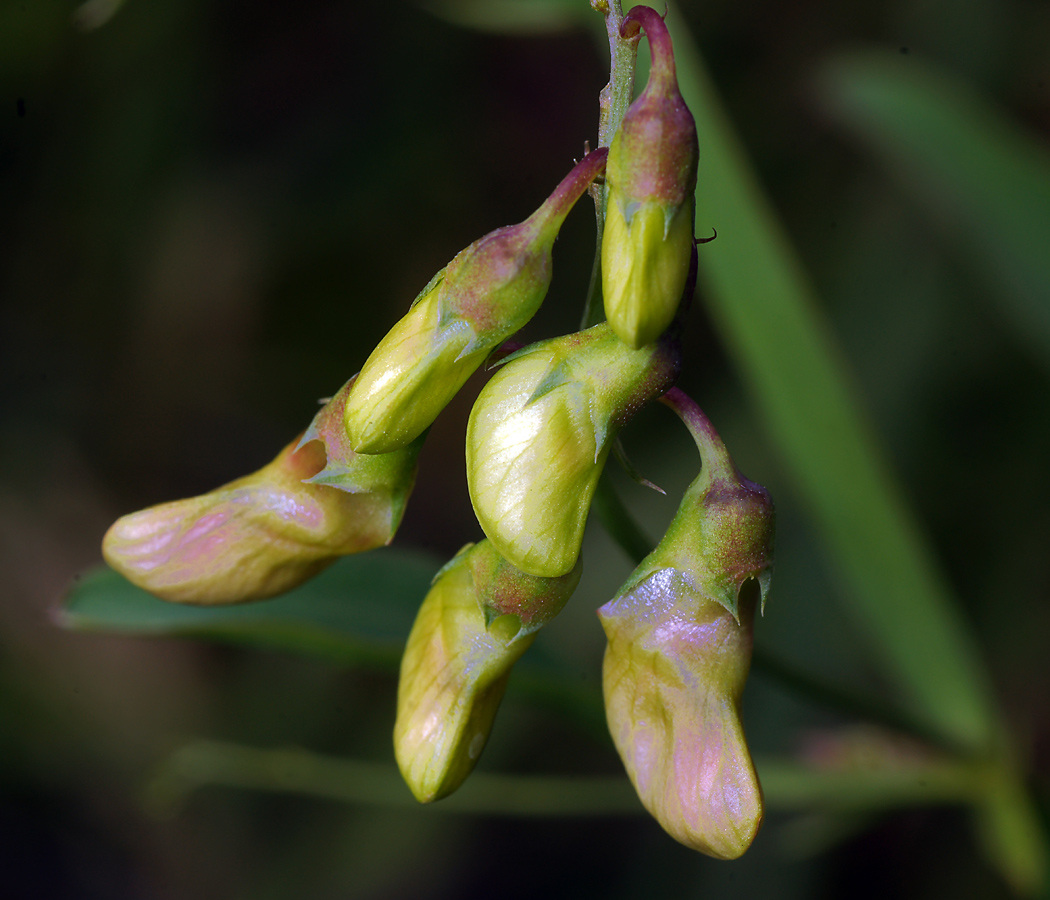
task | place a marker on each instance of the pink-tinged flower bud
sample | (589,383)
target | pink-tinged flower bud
(651,177)
(680,636)
(479,617)
(488,292)
(539,435)
(270,531)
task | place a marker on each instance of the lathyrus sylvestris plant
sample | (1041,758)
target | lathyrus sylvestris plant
(272,530)
(679,649)
(486,294)
(651,175)
(480,616)
(537,440)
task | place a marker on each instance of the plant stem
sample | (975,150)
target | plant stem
(787,784)
(613,102)
(296,771)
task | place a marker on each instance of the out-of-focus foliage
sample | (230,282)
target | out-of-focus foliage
(212,211)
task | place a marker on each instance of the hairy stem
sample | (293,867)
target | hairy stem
(613,102)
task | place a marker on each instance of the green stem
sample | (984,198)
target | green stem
(613,102)
(787,784)
(295,771)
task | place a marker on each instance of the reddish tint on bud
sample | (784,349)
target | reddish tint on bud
(651,175)
(488,292)
(673,676)
(654,154)
(268,532)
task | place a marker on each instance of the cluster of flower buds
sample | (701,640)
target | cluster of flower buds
(537,440)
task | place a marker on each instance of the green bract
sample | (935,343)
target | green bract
(539,435)
(479,617)
(268,532)
(488,291)
(651,174)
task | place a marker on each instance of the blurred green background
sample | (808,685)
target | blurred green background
(209,214)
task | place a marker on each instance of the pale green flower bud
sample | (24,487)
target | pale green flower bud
(479,617)
(270,531)
(539,435)
(489,291)
(651,178)
(679,651)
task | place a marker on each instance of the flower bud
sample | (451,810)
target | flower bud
(679,650)
(479,617)
(270,531)
(539,435)
(651,178)
(673,674)
(488,291)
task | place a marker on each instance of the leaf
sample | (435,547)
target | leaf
(359,610)
(984,182)
(765,310)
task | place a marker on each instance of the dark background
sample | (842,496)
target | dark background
(209,214)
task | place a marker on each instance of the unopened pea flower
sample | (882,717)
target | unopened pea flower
(651,177)
(680,636)
(539,435)
(268,532)
(488,292)
(479,617)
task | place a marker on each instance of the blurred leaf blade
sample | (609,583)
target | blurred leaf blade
(358,611)
(983,181)
(768,318)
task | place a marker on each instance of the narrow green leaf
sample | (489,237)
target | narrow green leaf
(358,611)
(1011,833)
(984,182)
(764,308)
